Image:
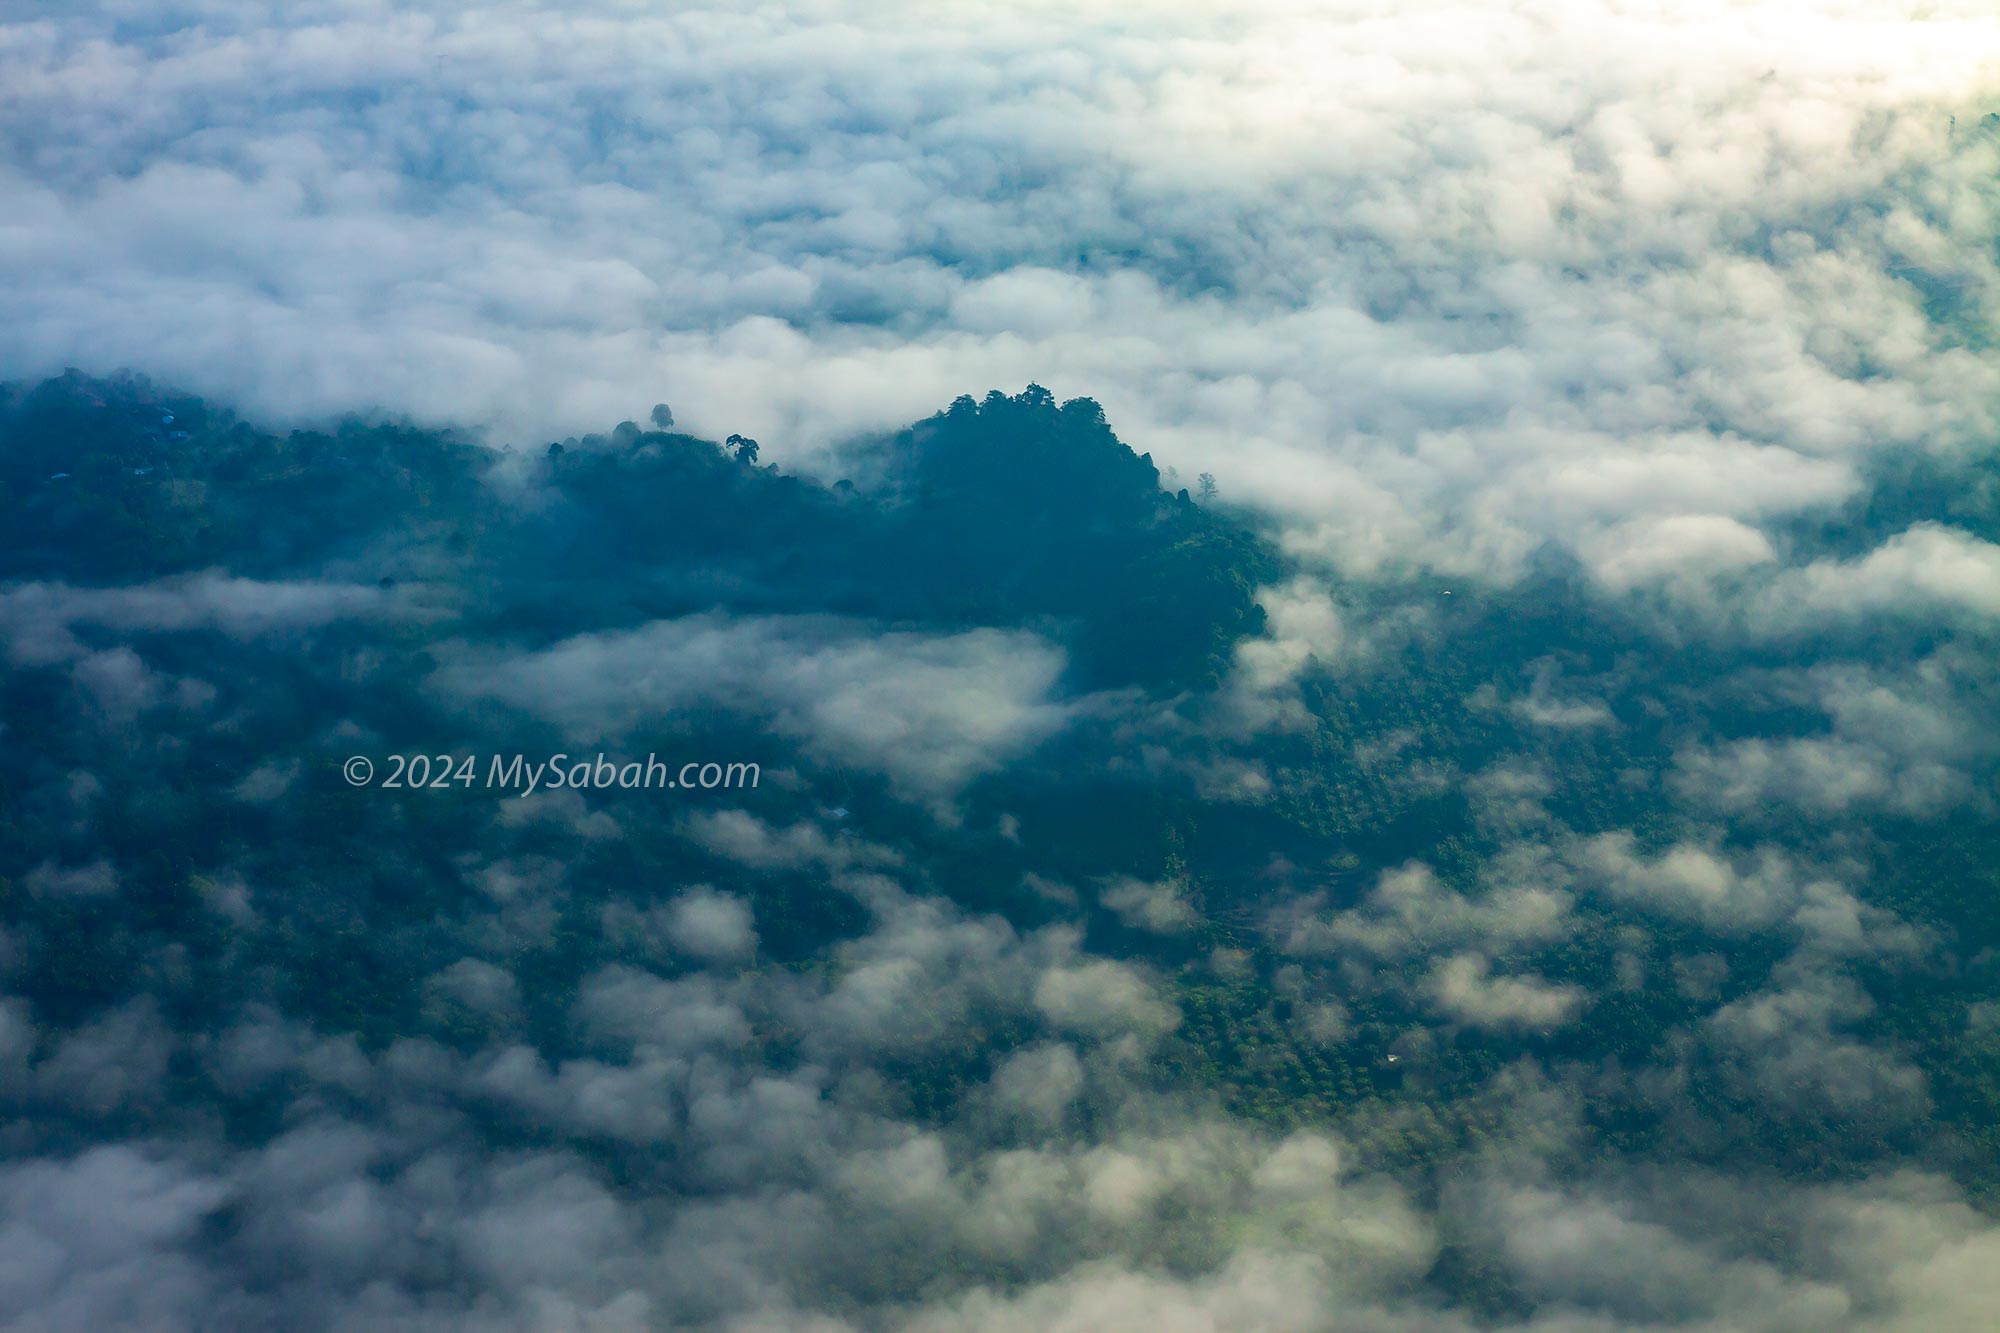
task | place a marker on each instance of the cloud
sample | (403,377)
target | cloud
(1696,546)
(931,711)
(1162,907)
(476,986)
(1464,989)
(1928,573)
(1410,912)
(1749,890)
(37,620)
(1563,1248)
(635,1008)
(97,1240)
(96,880)
(1788,1047)
(744,838)
(1041,1083)
(1102,998)
(1636,279)
(1824,775)
(1303,629)
(711,925)
(111,1067)
(1914,739)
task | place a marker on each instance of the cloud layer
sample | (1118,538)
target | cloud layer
(1434,284)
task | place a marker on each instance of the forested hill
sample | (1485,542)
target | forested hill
(1013,511)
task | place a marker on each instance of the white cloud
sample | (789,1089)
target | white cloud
(744,838)
(711,925)
(1432,286)
(1464,989)
(1703,883)
(37,619)
(1912,739)
(1161,907)
(1410,911)
(931,711)
(1102,998)
(1929,573)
